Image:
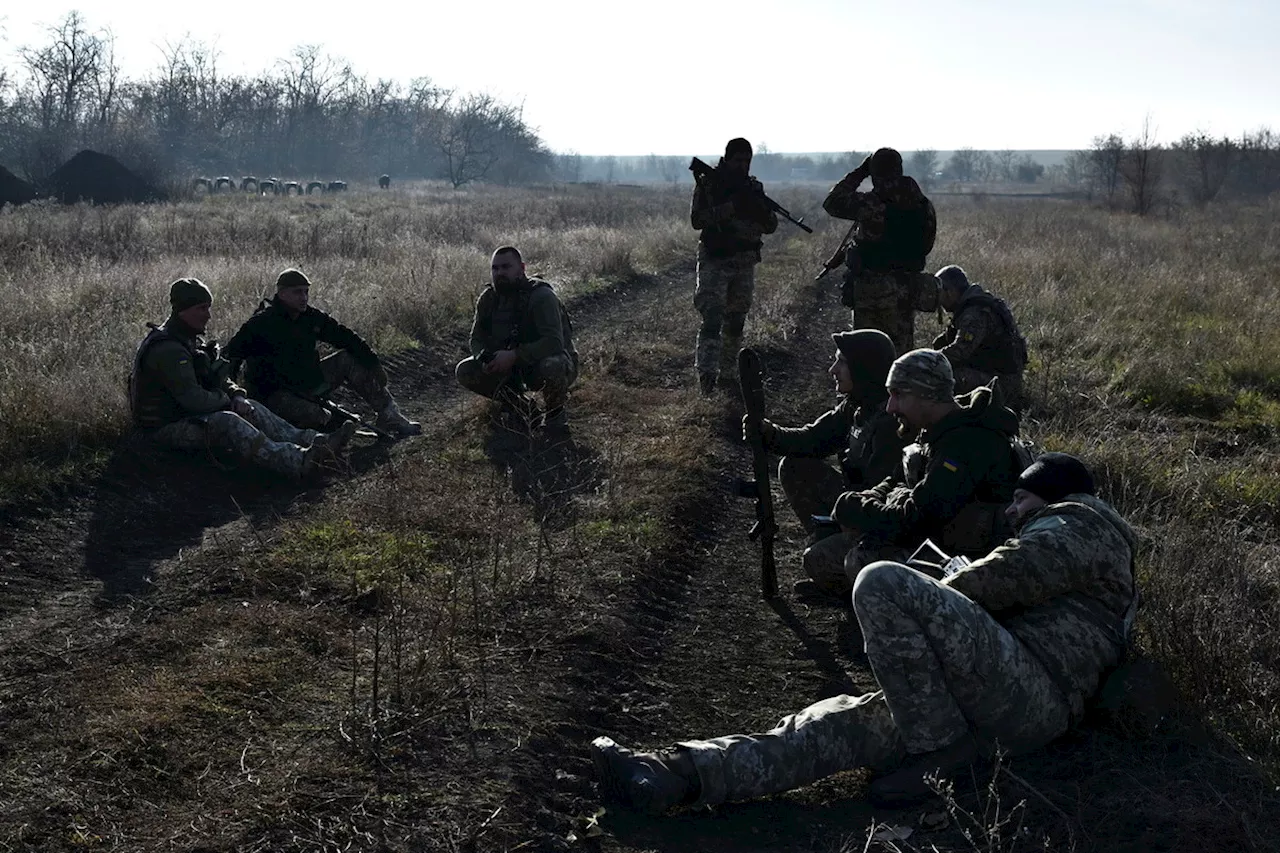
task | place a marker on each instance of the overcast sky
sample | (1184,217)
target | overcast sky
(673,76)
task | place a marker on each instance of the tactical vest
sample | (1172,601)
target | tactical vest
(149,402)
(909,235)
(1004,353)
(506,328)
(721,240)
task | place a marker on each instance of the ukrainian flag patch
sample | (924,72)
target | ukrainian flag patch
(950,466)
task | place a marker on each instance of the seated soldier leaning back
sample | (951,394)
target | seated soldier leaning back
(858,431)
(953,483)
(182,397)
(285,369)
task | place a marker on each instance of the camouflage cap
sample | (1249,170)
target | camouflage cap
(952,276)
(869,352)
(292,278)
(1054,476)
(925,373)
(188,293)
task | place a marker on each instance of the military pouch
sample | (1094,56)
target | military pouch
(853,270)
(976,529)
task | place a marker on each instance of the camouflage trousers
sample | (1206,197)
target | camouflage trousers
(945,667)
(889,302)
(263,438)
(553,376)
(1009,385)
(811,487)
(308,411)
(723,298)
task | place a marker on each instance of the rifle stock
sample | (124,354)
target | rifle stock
(751,377)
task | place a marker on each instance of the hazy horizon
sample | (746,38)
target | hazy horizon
(668,78)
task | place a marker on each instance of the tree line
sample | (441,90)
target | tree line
(310,116)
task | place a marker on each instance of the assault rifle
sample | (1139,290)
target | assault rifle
(751,377)
(337,415)
(838,257)
(702,172)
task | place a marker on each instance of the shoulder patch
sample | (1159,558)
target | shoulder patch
(951,465)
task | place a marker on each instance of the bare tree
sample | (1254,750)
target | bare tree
(1142,168)
(65,71)
(963,164)
(1105,160)
(1203,164)
(1005,165)
(922,165)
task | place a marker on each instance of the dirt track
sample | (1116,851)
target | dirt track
(681,645)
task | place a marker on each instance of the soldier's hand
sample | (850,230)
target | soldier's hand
(764,428)
(502,361)
(241,406)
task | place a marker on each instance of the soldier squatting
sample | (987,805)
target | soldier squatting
(1002,652)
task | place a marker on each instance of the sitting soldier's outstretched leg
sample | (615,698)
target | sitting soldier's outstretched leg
(227,430)
(950,672)
(371,384)
(297,410)
(836,734)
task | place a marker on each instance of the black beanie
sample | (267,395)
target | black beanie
(188,293)
(886,163)
(737,145)
(292,278)
(869,352)
(1054,476)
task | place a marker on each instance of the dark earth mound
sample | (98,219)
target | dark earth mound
(100,178)
(14,190)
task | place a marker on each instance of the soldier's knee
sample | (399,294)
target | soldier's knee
(468,373)
(554,369)
(876,579)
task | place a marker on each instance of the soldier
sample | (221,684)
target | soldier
(859,431)
(982,341)
(283,367)
(182,397)
(895,226)
(1005,652)
(953,483)
(730,212)
(521,339)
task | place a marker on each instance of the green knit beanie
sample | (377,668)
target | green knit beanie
(188,293)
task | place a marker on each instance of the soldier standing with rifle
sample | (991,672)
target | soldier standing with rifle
(730,209)
(894,226)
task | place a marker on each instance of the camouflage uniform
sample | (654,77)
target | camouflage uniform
(982,341)
(1008,649)
(529,318)
(181,399)
(896,225)
(285,370)
(952,486)
(869,447)
(732,217)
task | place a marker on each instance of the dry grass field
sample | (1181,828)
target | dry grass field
(413,654)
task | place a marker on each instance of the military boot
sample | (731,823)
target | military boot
(335,442)
(909,785)
(649,781)
(390,420)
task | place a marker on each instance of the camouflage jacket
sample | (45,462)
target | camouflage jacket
(731,214)
(983,335)
(527,317)
(951,487)
(1065,588)
(280,350)
(896,223)
(176,377)
(865,438)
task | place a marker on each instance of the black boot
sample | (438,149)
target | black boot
(648,781)
(909,784)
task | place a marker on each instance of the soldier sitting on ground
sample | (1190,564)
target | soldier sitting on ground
(1003,653)
(182,397)
(859,431)
(521,340)
(982,341)
(284,368)
(953,483)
